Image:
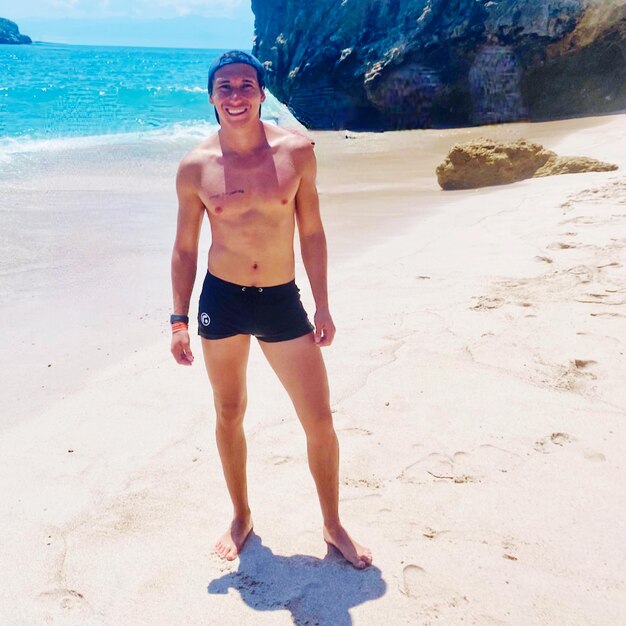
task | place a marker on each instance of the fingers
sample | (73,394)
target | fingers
(181,350)
(186,358)
(318,334)
(324,335)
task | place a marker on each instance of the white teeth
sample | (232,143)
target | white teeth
(236,111)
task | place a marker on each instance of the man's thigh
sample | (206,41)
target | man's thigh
(226,361)
(299,365)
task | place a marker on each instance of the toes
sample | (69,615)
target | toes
(221,550)
(232,554)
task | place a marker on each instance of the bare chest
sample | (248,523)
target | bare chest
(235,189)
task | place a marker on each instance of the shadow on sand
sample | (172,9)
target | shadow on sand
(317,592)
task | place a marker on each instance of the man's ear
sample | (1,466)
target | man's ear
(211,98)
(262,94)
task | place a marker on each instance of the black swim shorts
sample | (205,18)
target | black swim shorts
(269,313)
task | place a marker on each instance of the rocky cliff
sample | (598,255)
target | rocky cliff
(389,64)
(10,33)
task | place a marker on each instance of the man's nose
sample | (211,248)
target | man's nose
(235,94)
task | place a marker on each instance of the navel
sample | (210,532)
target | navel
(255,266)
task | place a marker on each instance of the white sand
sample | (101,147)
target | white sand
(477,384)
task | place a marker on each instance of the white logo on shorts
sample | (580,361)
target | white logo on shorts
(205,319)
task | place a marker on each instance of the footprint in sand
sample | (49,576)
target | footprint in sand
(560,439)
(63,604)
(613,192)
(485,302)
(574,376)
(461,467)
(582,272)
(434,464)
(432,598)
(370,483)
(545,444)
(544,259)
(486,460)
(412,577)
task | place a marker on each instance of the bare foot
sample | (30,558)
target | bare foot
(231,543)
(355,553)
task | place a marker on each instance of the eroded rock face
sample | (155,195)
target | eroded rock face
(388,64)
(10,33)
(485,162)
(573,165)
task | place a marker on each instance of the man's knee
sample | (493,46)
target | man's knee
(229,410)
(319,429)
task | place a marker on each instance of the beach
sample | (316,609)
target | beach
(476,387)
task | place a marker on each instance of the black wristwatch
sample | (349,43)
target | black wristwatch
(179,318)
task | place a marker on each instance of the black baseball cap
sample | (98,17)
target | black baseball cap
(236,56)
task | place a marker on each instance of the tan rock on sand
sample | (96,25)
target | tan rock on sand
(483,162)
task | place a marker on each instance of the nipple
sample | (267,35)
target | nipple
(283,201)
(218,209)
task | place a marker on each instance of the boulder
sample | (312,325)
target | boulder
(10,33)
(391,64)
(483,162)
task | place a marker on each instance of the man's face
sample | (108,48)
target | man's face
(236,94)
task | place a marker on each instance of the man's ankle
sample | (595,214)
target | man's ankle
(245,514)
(332,525)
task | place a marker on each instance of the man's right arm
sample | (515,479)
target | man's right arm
(185,252)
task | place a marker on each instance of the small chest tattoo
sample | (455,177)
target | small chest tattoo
(225,194)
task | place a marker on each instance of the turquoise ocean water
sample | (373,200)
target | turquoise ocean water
(55,92)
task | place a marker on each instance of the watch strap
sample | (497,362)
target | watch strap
(179,318)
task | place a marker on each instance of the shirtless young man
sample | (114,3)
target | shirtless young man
(255,181)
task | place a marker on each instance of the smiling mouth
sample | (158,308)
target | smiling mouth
(236,111)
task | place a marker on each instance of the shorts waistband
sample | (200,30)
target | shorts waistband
(233,287)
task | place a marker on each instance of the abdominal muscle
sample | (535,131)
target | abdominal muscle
(258,255)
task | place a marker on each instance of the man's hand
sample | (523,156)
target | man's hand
(324,328)
(181,348)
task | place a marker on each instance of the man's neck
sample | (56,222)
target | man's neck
(242,141)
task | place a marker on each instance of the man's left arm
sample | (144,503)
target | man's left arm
(313,243)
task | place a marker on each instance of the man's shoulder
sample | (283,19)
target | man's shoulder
(289,139)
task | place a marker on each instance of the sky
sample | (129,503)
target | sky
(176,23)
